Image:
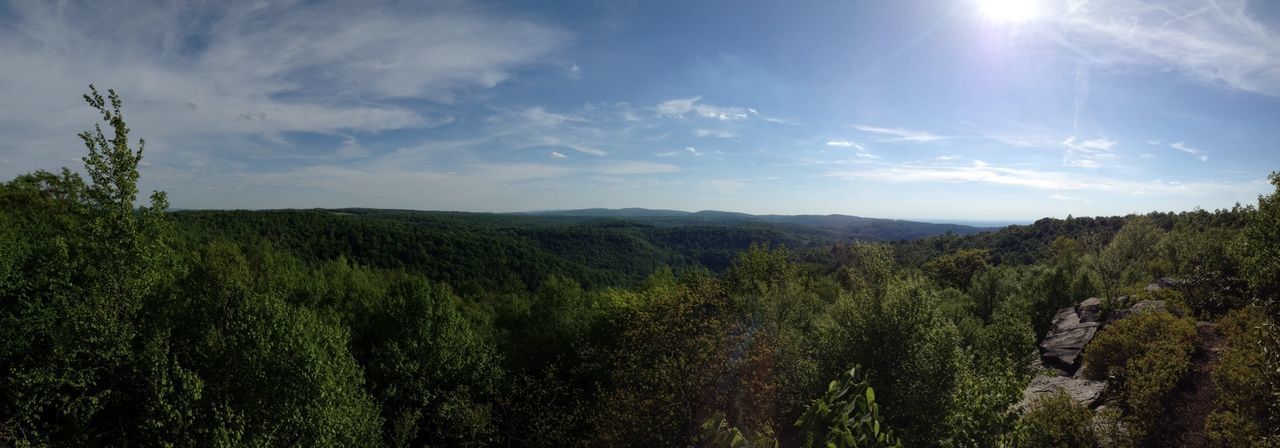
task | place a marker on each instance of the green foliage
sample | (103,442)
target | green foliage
(981,411)
(123,325)
(905,345)
(847,415)
(1125,258)
(1056,420)
(1262,244)
(1144,357)
(717,433)
(1241,380)
(271,371)
(957,269)
(72,305)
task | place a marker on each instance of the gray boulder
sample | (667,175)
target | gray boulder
(1156,306)
(1167,283)
(1061,348)
(1090,310)
(1149,305)
(1086,392)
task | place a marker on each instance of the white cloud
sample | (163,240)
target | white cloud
(702,133)
(557,155)
(982,173)
(1195,152)
(692,150)
(1087,153)
(846,144)
(588,150)
(898,134)
(1216,41)
(946,157)
(209,76)
(540,117)
(681,106)
(628,168)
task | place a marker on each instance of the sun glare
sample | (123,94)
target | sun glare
(1009,11)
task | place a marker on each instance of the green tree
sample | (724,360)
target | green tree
(72,367)
(956,270)
(1125,258)
(1262,247)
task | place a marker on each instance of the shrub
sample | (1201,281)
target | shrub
(1240,410)
(1144,357)
(981,404)
(1056,420)
(846,416)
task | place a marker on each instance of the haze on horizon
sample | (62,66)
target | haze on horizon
(945,110)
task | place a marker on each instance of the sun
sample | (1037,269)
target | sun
(1008,11)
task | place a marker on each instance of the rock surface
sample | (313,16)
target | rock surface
(1085,392)
(1061,349)
(1089,310)
(1067,337)
(1143,306)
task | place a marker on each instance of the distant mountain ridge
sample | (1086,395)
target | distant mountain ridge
(855,226)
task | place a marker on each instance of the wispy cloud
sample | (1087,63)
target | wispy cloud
(213,73)
(1087,153)
(845,144)
(558,155)
(628,168)
(540,117)
(588,150)
(898,134)
(702,133)
(687,150)
(681,106)
(1195,152)
(1216,41)
(983,173)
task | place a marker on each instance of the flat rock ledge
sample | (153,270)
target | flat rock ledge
(1061,348)
(1086,392)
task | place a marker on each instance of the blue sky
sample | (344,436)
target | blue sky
(959,109)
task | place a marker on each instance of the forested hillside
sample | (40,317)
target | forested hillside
(124,325)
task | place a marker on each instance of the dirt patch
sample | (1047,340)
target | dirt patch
(1194,398)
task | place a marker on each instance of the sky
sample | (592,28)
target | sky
(911,109)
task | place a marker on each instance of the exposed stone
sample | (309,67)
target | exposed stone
(1090,310)
(1149,305)
(1153,287)
(1167,283)
(1085,392)
(1067,337)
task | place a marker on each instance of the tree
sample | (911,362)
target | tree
(1125,258)
(1262,242)
(77,340)
(956,269)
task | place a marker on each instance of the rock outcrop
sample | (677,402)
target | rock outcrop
(1067,337)
(1064,345)
(1085,392)
(1090,310)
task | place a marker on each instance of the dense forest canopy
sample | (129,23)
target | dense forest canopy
(124,325)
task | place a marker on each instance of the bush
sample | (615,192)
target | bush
(1240,410)
(981,405)
(1144,357)
(1056,420)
